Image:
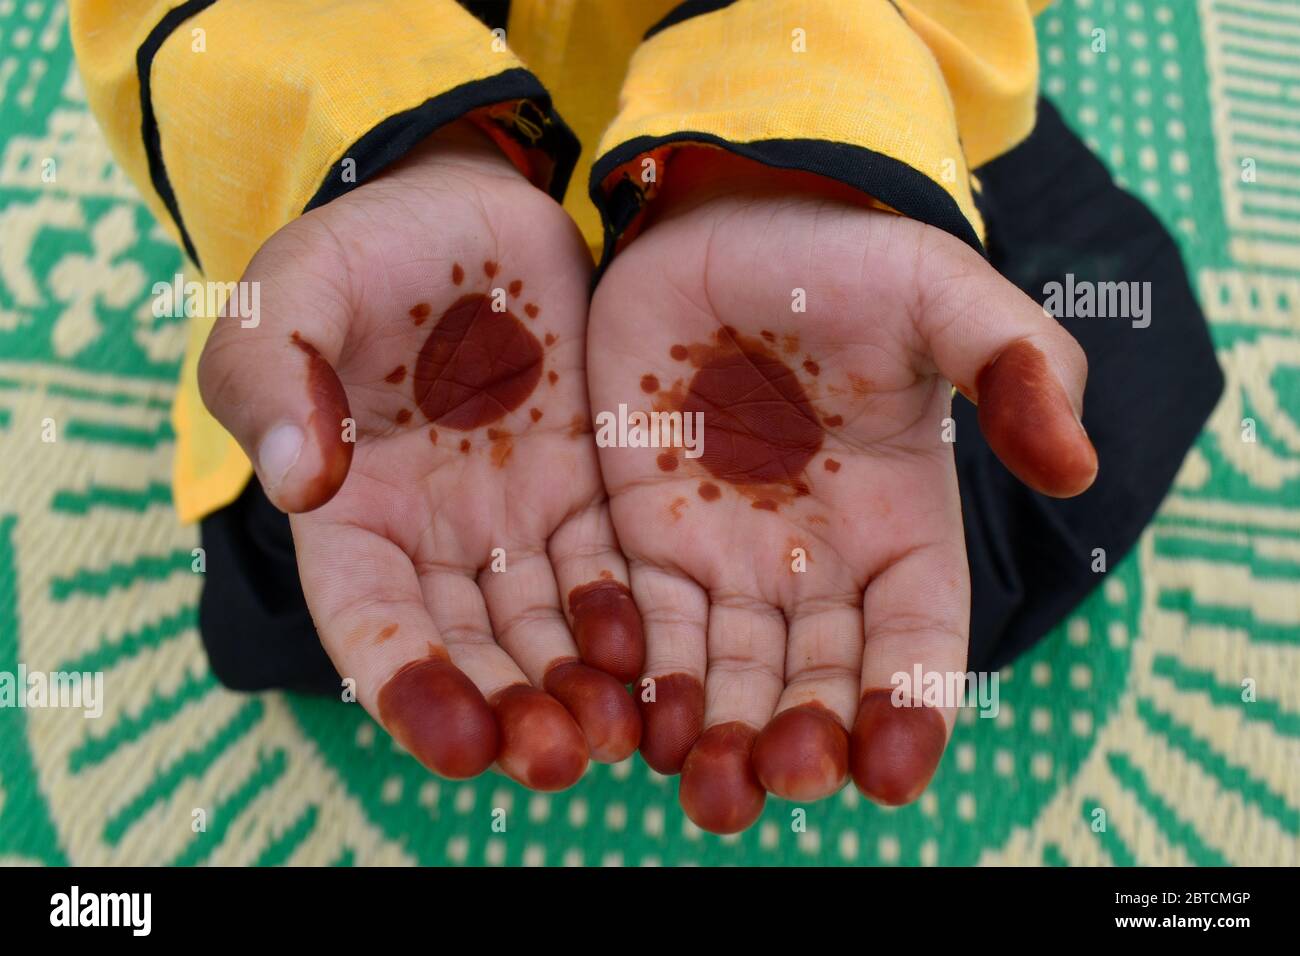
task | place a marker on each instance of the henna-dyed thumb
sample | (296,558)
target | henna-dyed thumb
(1015,361)
(1030,422)
(284,404)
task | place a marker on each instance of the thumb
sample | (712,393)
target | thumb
(267,375)
(1008,356)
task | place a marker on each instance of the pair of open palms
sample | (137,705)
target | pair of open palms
(466,548)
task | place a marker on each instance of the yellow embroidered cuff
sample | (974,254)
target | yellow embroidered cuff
(250,112)
(851,91)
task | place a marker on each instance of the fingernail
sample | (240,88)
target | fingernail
(278,453)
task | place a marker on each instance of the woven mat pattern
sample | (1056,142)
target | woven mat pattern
(1134,707)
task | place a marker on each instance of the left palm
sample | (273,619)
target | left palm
(815,548)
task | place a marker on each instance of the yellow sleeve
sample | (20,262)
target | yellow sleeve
(899,99)
(235,117)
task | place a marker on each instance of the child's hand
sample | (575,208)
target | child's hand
(438,313)
(816,547)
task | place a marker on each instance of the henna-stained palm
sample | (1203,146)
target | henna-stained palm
(815,549)
(415,395)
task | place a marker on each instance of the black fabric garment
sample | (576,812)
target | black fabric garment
(252,614)
(1051,209)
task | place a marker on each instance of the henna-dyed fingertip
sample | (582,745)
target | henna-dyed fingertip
(602,707)
(719,790)
(541,745)
(607,628)
(893,750)
(802,754)
(329,411)
(672,718)
(433,710)
(1031,425)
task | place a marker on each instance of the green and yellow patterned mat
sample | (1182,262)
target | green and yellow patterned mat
(1135,706)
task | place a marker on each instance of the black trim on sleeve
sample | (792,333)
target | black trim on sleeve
(882,177)
(685,11)
(493,14)
(395,136)
(149,124)
(689,9)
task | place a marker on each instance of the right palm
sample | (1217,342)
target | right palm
(473,502)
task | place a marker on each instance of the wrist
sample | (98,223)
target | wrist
(696,175)
(460,145)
